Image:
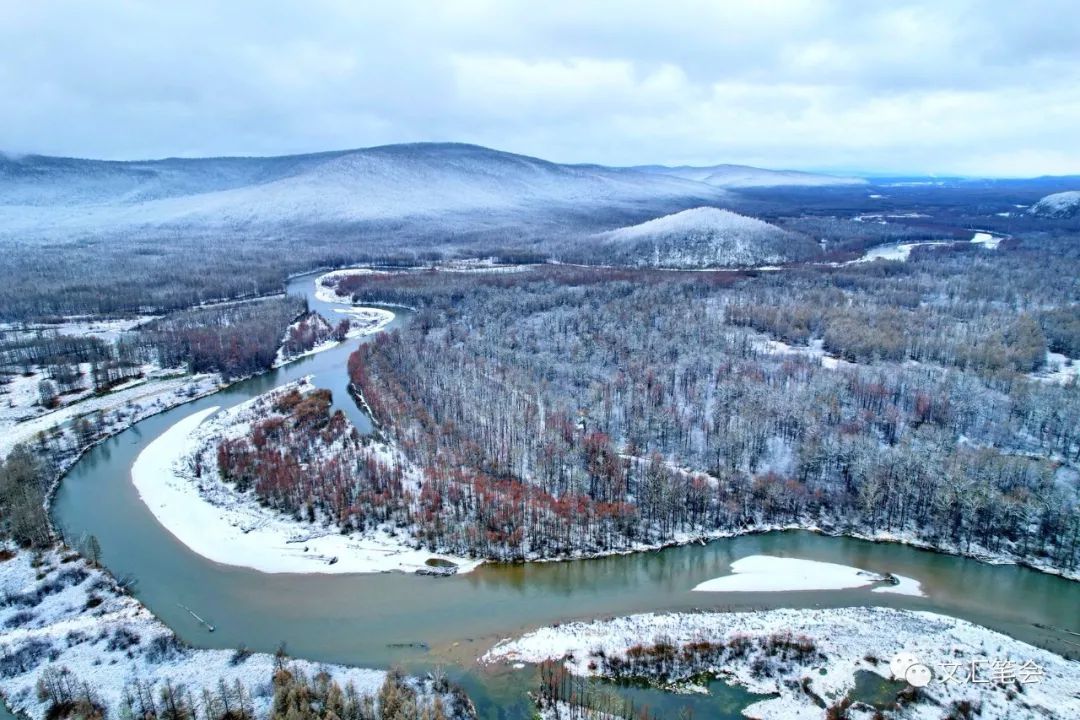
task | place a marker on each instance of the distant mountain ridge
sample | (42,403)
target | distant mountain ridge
(379,183)
(745,176)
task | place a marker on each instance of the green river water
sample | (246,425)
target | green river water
(422,622)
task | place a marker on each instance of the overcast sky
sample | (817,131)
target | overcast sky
(979,88)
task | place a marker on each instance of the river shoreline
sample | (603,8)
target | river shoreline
(681,541)
(801,660)
(61,607)
(907,538)
(326,294)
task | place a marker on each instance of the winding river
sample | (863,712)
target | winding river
(423,622)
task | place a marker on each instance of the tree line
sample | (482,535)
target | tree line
(567,410)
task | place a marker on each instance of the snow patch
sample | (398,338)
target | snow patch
(904,586)
(1059,368)
(765,573)
(987,240)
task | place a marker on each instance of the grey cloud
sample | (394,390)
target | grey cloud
(965,86)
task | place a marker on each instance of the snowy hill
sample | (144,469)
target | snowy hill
(1059,205)
(706,237)
(744,176)
(395,181)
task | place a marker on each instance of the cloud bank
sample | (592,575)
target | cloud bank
(956,87)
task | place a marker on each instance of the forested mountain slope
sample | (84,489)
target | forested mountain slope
(705,237)
(39,194)
(1058,205)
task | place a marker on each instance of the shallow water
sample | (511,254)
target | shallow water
(421,622)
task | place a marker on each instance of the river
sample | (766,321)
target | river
(423,622)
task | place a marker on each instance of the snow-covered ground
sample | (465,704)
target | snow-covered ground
(107,329)
(765,573)
(883,218)
(904,586)
(902,251)
(20,394)
(63,614)
(1034,683)
(815,350)
(232,528)
(326,290)
(894,251)
(987,240)
(366,320)
(1058,369)
(119,409)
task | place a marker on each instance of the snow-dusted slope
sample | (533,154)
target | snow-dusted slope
(744,176)
(394,181)
(706,237)
(1060,205)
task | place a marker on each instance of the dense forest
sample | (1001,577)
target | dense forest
(158,271)
(24,480)
(564,409)
(295,696)
(232,340)
(299,458)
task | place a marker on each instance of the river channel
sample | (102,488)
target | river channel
(423,622)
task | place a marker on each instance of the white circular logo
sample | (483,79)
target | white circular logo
(900,664)
(918,675)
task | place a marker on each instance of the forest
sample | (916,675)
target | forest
(296,696)
(232,340)
(302,460)
(569,410)
(123,272)
(558,411)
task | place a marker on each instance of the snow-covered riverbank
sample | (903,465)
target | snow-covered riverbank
(118,409)
(362,321)
(326,285)
(216,521)
(748,649)
(63,618)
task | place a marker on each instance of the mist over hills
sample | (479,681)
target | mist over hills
(39,194)
(745,176)
(457,183)
(106,236)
